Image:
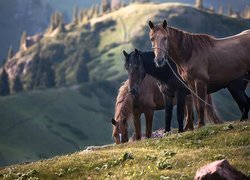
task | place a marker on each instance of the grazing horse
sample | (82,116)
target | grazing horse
(127,107)
(139,63)
(131,107)
(203,60)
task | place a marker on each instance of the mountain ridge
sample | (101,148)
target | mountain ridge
(60,113)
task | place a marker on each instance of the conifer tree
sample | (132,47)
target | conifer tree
(115,5)
(23,41)
(75,15)
(199,4)
(220,11)
(82,72)
(17,85)
(4,83)
(96,11)
(61,27)
(105,6)
(91,11)
(10,53)
(230,10)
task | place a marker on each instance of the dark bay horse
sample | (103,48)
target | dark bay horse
(140,63)
(203,61)
(129,107)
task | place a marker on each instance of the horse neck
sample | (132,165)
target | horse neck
(183,45)
(124,106)
(163,73)
(178,50)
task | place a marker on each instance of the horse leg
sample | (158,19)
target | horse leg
(201,91)
(211,112)
(168,112)
(137,126)
(189,125)
(181,98)
(241,99)
(149,122)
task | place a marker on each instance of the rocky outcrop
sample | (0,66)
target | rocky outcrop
(219,170)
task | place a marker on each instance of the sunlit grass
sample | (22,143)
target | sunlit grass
(175,156)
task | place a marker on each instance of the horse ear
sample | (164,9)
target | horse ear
(113,121)
(125,53)
(164,24)
(151,25)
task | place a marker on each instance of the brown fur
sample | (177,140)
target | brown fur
(149,99)
(202,59)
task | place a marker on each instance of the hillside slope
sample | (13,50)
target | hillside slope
(42,124)
(45,122)
(175,156)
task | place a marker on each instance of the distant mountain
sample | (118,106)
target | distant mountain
(84,61)
(33,16)
(19,16)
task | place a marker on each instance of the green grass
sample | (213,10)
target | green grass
(44,123)
(176,156)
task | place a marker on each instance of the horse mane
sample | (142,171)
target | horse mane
(124,103)
(188,42)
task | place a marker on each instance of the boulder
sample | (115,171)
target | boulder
(219,170)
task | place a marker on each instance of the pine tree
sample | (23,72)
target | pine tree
(96,11)
(230,10)
(91,11)
(17,85)
(23,41)
(52,26)
(115,5)
(220,11)
(82,72)
(61,27)
(75,15)
(105,6)
(199,4)
(10,53)
(4,83)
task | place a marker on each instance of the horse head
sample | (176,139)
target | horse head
(136,71)
(120,130)
(159,39)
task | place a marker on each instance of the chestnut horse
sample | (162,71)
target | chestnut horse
(203,60)
(128,107)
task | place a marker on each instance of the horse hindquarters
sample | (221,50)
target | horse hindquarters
(237,90)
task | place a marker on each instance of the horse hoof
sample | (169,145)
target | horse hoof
(200,125)
(167,131)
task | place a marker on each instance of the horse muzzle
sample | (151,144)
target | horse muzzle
(159,62)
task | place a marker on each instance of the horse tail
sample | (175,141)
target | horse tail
(211,112)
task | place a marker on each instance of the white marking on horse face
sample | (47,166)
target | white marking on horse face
(120,137)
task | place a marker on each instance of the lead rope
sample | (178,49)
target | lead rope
(181,79)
